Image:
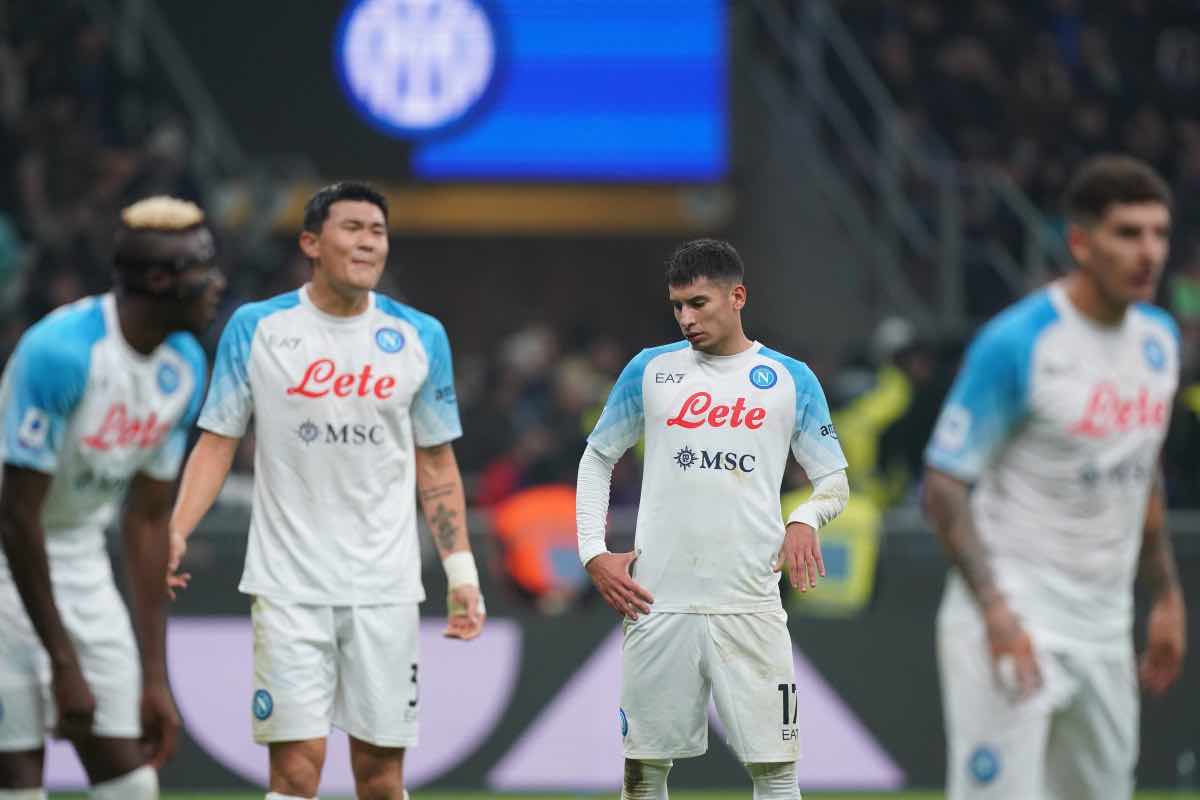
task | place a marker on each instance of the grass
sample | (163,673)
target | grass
(681,795)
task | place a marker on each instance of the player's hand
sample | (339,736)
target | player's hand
(466,613)
(76,705)
(611,574)
(1013,658)
(160,724)
(1166,643)
(801,554)
(175,578)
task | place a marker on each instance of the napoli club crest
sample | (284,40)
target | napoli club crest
(763,377)
(389,340)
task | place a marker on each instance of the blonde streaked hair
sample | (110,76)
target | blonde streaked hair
(162,213)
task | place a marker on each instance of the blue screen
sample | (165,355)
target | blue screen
(577,90)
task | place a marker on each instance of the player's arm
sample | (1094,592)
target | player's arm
(223,420)
(144,535)
(621,424)
(611,572)
(816,448)
(21,499)
(801,551)
(203,476)
(988,401)
(946,502)
(440,487)
(47,377)
(1166,628)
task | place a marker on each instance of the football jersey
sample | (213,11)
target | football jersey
(79,403)
(718,431)
(339,403)
(1058,421)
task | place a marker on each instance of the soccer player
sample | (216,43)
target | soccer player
(353,399)
(699,592)
(1056,420)
(98,399)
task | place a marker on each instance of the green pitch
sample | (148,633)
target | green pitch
(724,795)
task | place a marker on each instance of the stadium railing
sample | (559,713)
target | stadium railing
(910,194)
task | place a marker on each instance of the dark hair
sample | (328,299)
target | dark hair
(704,258)
(1108,179)
(316,210)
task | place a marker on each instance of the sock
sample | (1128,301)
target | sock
(774,781)
(23,794)
(645,779)
(278,796)
(140,784)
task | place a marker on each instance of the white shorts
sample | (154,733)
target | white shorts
(350,666)
(670,663)
(1077,737)
(98,625)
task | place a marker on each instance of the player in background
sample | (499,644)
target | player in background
(699,592)
(1043,484)
(98,399)
(352,395)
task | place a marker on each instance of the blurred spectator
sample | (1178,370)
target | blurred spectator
(536,532)
(869,401)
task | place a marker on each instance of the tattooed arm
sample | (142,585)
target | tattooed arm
(946,501)
(440,487)
(1166,629)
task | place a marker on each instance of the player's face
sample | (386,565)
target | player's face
(352,248)
(198,288)
(1124,253)
(707,312)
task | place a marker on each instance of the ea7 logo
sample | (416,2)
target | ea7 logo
(669,377)
(282,342)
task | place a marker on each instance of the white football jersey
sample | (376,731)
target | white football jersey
(339,404)
(1059,422)
(81,404)
(718,431)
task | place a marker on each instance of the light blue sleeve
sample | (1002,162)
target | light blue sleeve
(166,462)
(622,421)
(435,408)
(990,396)
(814,443)
(46,380)
(230,402)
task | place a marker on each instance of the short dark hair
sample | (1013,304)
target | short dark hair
(316,210)
(1108,179)
(704,258)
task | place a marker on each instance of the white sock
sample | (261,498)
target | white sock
(23,794)
(774,781)
(140,784)
(645,779)
(278,796)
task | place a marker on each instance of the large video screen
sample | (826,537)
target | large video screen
(573,90)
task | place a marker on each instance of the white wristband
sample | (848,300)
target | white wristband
(460,569)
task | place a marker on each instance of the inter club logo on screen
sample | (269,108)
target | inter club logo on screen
(412,67)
